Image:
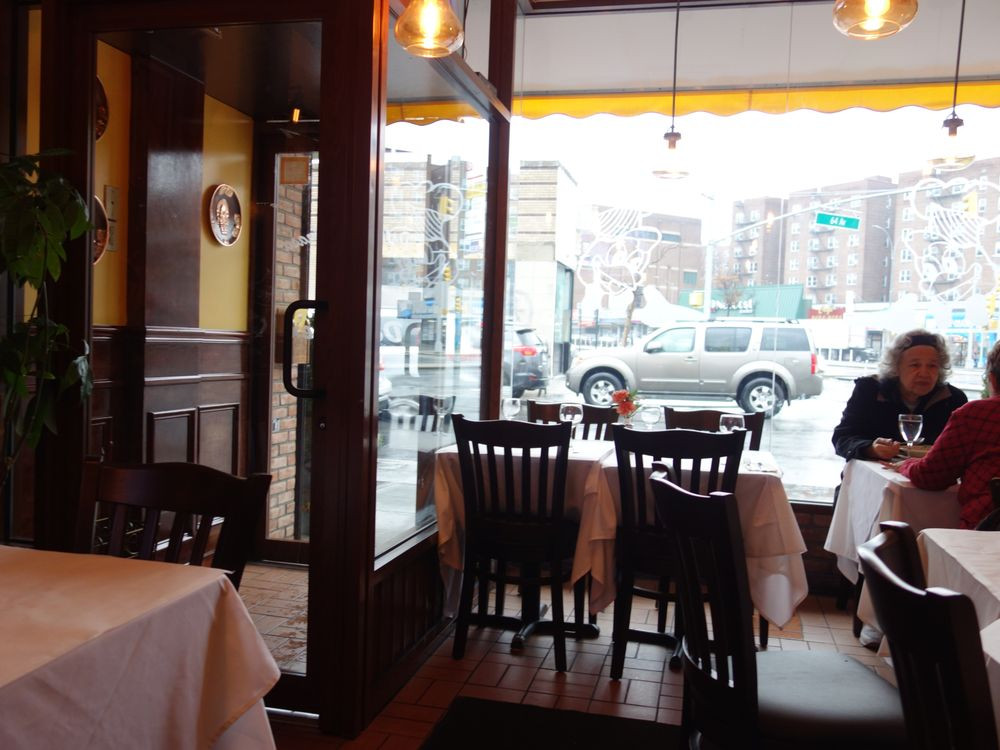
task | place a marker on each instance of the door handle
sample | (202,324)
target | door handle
(286,347)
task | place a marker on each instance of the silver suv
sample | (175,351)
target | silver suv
(761,364)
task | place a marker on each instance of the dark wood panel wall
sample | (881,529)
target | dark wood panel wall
(166,390)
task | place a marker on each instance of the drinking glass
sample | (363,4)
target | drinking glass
(910,426)
(511,407)
(730,422)
(649,416)
(442,407)
(571,413)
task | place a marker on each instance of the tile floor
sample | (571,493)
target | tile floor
(647,690)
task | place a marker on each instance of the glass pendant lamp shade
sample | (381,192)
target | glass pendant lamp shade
(953,152)
(873,19)
(672,166)
(429,28)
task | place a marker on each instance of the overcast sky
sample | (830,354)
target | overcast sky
(739,156)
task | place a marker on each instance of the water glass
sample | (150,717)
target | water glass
(910,427)
(571,413)
(649,416)
(730,422)
(510,407)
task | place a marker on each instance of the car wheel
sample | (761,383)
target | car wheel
(599,386)
(757,395)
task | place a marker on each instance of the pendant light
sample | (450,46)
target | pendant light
(873,19)
(673,168)
(429,28)
(954,156)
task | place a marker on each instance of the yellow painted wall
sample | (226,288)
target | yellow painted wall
(225,271)
(111,167)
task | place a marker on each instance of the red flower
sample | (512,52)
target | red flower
(624,402)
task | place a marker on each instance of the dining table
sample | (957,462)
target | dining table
(871,493)
(773,541)
(100,652)
(968,562)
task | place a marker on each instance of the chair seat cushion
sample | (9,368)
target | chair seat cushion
(806,695)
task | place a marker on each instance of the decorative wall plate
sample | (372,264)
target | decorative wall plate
(100,222)
(224,215)
(101,111)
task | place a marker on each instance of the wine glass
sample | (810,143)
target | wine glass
(511,407)
(442,407)
(571,413)
(731,422)
(649,416)
(910,427)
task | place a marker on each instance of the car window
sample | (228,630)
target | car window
(675,340)
(727,339)
(528,336)
(788,340)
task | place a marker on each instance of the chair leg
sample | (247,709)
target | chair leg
(558,620)
(843,593)
(501,580)
(661,603)
(619,633)
(579,602)
(675,658)
(763,630)
(464,611)
(857,624)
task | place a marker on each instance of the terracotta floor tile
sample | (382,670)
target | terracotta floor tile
(517,678)
(648,713)
(668,716)
(407,727)
(440,694)
(400,742)
(545,700)
(572,704)
(488,673)
(413,690)
(562,688)
(493,693)
(673,702)
(642,693)
(398,710)
(572,678)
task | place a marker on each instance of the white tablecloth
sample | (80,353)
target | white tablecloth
(102,652)
(772,538)
(969,562)
(870,493)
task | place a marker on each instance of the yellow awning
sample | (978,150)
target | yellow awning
(880,98)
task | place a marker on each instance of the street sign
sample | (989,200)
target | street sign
(837,220)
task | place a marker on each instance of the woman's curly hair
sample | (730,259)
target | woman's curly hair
(889,366)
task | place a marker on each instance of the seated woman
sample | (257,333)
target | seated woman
(968,449)
(911,381)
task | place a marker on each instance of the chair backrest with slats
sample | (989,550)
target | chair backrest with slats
(167,511)
(708,420)
(936,651)
(596,423)
(720,670)
(512,471)
(701,461)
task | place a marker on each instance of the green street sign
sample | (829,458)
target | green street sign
(836,220)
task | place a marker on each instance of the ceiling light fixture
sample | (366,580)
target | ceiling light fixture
(954,156)
(429,28)
(873,19)
(673,169)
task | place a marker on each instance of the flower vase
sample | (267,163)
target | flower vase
(627,419)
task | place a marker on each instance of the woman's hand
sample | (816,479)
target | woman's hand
(883,449)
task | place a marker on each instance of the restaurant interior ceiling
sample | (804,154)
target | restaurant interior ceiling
(596,52)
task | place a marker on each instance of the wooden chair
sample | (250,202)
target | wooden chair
(735,697)
(992,521)
(936,650)
(514,516)
(596,419)
(641,546)
(708,420)
(167,512)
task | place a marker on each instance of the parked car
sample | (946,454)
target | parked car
(761,364)
(525,362)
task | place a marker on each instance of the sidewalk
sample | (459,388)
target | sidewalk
(969,379)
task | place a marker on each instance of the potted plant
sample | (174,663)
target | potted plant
(39,211)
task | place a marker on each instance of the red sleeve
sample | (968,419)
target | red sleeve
(946,460)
